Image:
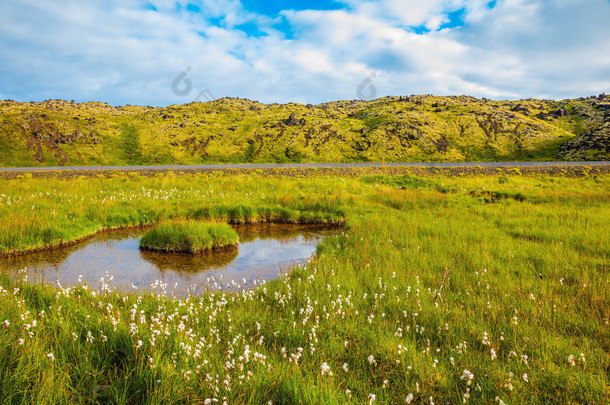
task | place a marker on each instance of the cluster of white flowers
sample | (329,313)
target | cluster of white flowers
(325,369)
(468,376)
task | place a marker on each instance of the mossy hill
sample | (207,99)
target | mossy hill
(231,130)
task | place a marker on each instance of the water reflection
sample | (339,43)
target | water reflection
(262,251)
(187,263)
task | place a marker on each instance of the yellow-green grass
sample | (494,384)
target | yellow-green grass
(188,237)
(529,290)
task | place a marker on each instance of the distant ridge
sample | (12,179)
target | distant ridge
(233,130)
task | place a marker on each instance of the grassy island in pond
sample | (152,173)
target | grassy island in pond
(189,237)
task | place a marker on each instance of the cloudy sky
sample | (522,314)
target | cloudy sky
(161,52)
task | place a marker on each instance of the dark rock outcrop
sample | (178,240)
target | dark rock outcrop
(292,121)
(592,145)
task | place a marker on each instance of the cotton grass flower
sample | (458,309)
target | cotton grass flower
(324,368)
(409,398)
(468,376)
(51,357)
(466,395)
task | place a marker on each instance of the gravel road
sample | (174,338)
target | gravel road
(296,166)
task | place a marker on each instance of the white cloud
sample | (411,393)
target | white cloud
(122,52)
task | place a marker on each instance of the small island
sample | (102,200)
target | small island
(189,237)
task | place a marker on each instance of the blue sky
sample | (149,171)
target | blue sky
(137,52)
(273,8)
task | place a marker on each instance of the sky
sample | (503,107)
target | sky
(160,52)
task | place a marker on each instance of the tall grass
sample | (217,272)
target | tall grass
(188,237)
(36,213)
(523,317)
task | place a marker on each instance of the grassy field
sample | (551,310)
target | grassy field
(522,316)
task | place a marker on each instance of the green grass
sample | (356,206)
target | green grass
(131,148)
(76,208)
(188,237)
(529,290)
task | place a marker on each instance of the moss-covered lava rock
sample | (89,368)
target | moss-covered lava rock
(592,145)
(232,130)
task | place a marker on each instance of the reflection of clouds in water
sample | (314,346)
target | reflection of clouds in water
(264,250)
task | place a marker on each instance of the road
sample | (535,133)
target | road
(295,165)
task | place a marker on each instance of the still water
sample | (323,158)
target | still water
(263,251)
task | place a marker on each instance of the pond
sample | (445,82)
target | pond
(114,258)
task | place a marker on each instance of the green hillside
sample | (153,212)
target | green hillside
(230,130)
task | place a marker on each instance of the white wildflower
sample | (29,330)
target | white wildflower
(467,375)
(466,395)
